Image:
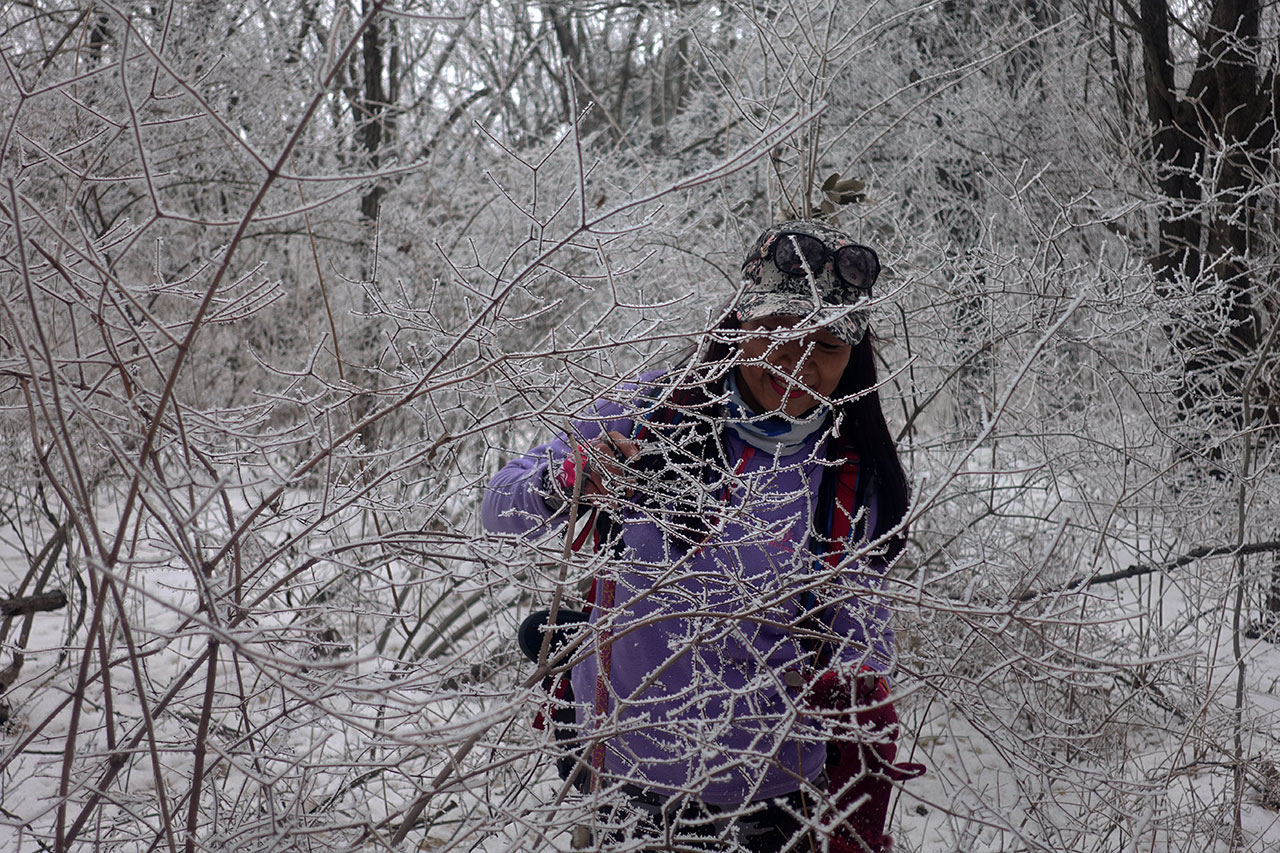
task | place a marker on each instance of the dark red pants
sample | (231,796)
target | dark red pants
(861,764)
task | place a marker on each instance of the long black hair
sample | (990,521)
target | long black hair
(867,431)
(687,418)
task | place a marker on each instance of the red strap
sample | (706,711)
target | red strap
(844,509)
(587,529)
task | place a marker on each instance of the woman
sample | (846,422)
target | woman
(754,499)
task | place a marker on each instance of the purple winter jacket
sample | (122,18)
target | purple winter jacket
(702,692)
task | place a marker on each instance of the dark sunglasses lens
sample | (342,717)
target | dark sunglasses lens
(799,254)
(857,266)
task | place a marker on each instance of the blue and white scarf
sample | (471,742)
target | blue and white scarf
(776,434)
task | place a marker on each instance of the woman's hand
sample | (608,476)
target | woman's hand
(603,460)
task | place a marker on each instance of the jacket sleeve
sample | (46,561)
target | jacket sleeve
(522,498)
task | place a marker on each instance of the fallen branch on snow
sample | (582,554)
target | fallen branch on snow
(1139,570)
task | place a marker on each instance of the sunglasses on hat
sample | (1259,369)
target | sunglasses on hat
(799,254)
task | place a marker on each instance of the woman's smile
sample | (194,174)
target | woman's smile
(788,372)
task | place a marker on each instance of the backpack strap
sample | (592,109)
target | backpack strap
(839,499)
(844,503)
(842,493)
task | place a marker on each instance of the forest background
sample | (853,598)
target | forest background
(282,284)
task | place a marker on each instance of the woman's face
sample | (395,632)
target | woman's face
(781,372)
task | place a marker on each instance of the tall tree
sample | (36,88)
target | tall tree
(1209,79)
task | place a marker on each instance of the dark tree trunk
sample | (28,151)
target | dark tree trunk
(374,110)
(1225,119)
